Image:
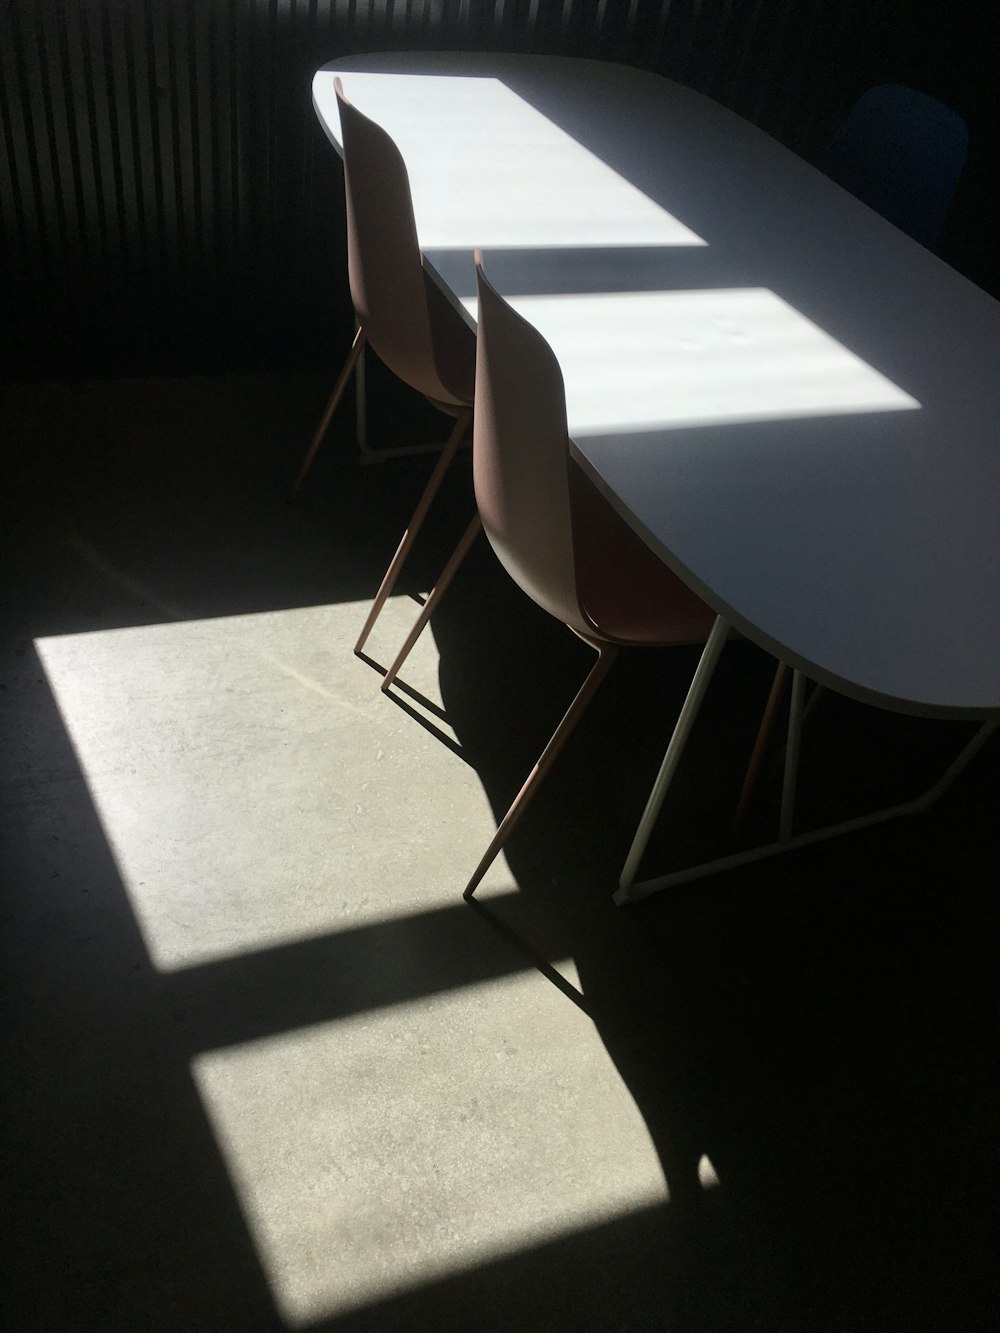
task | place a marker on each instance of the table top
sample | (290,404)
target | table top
(795,405)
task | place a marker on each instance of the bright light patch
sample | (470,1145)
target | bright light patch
(486,168)
(707,1176)
(245,770)
(636,361)
(357,1183)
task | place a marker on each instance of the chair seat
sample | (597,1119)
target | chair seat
(627,592)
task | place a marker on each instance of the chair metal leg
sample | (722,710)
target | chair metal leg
(333,403)
(414,525)
(792,746)
(753,777)
(700,682)
(436,593)
(760,744)
(383,453)
(606,654)
(361,405)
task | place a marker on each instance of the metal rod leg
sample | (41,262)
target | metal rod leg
(760,744)
(913,807)
(811,703)
(965,756)
(682,729)
(361,404)
(414,525)
(792,756)
(437,592)
(606,654)
(343,379)
(810,707)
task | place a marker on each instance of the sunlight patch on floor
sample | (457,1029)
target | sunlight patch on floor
(376,1154)
(255,786)
(708,1177)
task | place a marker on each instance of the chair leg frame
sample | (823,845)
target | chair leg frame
(434,597)
(415,524)
(606,655)
(751,778)
(370,456)
(792,747)
(351,366)
(361,405)
(355,365)
(629,891)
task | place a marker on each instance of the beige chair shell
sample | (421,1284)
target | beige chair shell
(557,537)
(400,310)
(407,321)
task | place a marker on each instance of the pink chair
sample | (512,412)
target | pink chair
(400,311)
(551,529)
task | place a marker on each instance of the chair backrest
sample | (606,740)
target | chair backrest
(520,456)
(901,152)
(388,284)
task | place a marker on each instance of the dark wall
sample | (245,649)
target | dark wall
(167,201)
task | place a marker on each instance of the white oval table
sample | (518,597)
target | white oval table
(796,406)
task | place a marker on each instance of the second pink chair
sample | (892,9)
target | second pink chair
(556,536)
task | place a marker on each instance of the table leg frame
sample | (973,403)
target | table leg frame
(690,709)
(629,891)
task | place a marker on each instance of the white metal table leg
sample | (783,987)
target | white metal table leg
(682,730)
(913,807)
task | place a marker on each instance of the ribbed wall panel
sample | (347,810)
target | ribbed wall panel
(165,191)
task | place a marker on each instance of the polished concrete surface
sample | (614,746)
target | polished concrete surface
(263,1068)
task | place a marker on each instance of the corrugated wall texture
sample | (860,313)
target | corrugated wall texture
(167,199)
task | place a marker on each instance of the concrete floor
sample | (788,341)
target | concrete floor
(265,1070)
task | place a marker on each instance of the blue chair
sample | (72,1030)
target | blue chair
(901,153)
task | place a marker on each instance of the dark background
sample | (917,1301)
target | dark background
(168,202)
